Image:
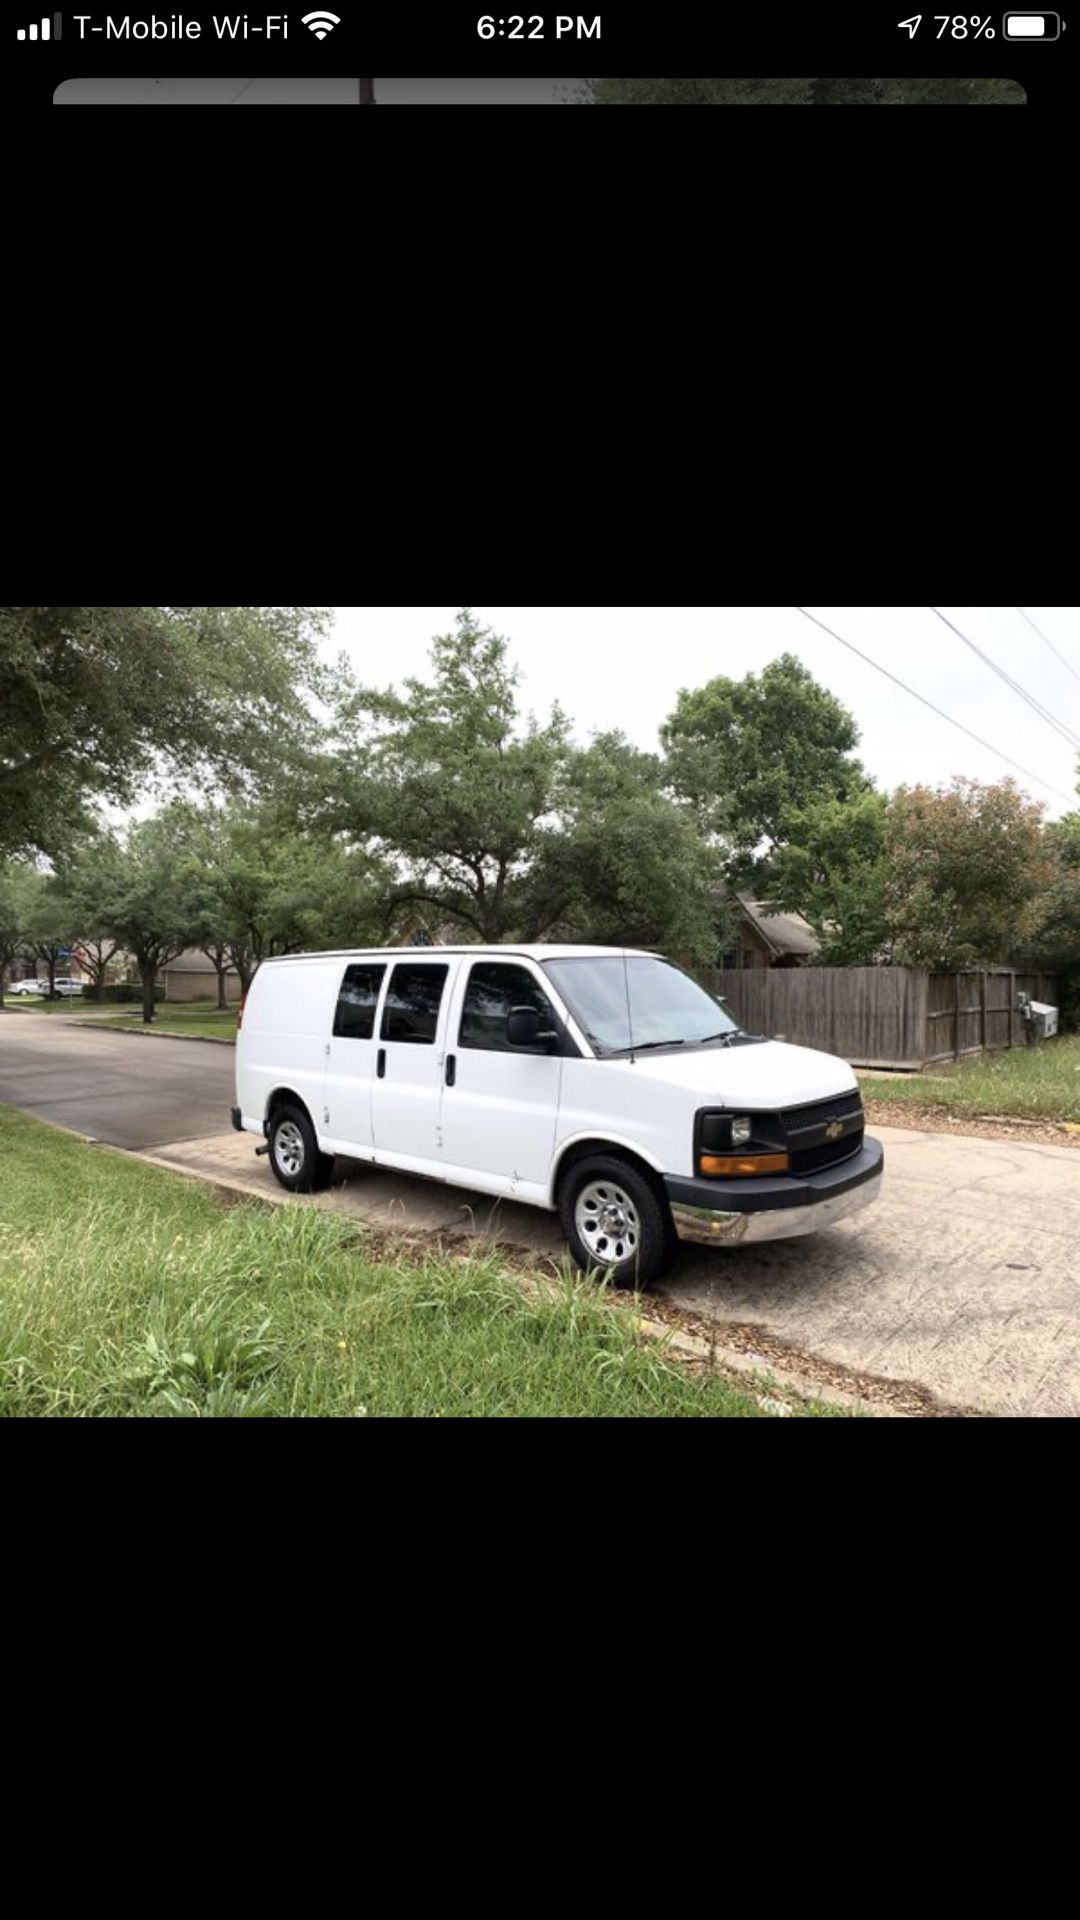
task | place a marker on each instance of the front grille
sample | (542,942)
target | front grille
(812,1159)
(798,1120)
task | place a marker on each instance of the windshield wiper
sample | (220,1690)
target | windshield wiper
(728,1034)
(642,1046)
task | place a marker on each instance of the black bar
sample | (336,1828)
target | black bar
(451,1068)
(381,1063)
(57,22)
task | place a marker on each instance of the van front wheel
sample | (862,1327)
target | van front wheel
(615,1221)
(294,1152)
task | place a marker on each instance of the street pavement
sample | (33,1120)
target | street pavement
(964,1277)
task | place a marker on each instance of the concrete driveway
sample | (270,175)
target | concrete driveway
(964,1278)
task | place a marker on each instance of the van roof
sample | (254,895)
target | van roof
(532,951)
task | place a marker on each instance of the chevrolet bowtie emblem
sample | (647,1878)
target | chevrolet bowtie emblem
(834,1129)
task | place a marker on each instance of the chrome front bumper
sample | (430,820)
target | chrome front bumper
(854,1185)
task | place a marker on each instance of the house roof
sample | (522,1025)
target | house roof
(781,932)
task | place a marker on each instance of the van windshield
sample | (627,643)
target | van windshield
(666,1007)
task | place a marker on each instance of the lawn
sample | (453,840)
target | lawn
(186,1019)
(126,1290)
(1041,1081)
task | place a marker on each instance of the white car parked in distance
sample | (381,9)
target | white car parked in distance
(28,986)
(600,1083)
(67,988)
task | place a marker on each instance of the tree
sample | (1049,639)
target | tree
(151,910)
(96,700)
(255,885)
(966,866)
(88,880)
(1055,933)
(626,866)
(47,928)
(444,780)
(833,871)
(752,755)
(695,93)
(16,882)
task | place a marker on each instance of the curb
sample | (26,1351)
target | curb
(143,1033)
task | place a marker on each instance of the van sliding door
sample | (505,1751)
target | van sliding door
(350,1061)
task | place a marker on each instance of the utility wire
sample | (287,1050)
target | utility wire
(1050,644)
(1035,705)
(929,703)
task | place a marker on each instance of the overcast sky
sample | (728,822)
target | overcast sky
(623,667)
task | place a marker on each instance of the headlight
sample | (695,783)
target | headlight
(740,1132)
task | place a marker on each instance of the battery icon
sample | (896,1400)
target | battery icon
(1032,26)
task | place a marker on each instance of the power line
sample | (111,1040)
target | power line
(929,703)
(1035,705)
(1050,644)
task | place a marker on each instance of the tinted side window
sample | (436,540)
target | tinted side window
(494,988)
(411,1011)
(354,1016)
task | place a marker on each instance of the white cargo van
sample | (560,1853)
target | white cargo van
(600,1083)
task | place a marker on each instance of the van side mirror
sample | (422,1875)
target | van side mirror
(523,1028)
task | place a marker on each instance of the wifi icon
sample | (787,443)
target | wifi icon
(321,23)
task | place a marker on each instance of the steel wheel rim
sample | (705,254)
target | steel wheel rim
(608,1223)
(289,1148)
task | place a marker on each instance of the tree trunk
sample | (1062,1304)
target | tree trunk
(367,92)
(52,976)
(220,966)
(3,984)
(99,986)
(149,978)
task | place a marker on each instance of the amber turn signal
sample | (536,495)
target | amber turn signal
(744,1163)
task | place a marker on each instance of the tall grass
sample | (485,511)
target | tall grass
(1041,1081)
(127,1291)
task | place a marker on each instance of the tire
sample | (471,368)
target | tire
(636,1241)
(295,1159)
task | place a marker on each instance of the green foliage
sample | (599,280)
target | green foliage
(752,755)
(445,782)
(256,885)
(1054,942)
(627,866)
(94,701)
(833,872)
(966,865)
(697,93)
(899,91)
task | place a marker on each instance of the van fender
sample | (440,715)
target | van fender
(602,1142)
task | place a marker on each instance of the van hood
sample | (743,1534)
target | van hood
(769,1075)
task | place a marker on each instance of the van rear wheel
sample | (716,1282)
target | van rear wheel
(294,1152)
(614,1219)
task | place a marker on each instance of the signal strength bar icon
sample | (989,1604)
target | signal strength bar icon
(49,29)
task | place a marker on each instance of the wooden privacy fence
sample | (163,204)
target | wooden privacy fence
(882,1016)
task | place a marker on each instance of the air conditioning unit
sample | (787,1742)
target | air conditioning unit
(1044,1019)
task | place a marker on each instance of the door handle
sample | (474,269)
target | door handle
(380,1067)
(451,1068)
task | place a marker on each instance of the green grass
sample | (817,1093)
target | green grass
(1037,1082)
(125,1291)
(188,1019)
(29,1003)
